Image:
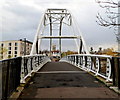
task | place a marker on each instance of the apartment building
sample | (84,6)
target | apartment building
(14,48)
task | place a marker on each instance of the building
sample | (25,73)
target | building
(14,48)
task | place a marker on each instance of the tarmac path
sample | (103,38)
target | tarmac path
(60,80)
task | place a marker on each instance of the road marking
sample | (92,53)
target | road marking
(61,72)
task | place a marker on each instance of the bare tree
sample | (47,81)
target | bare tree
(112,14)
(111,17)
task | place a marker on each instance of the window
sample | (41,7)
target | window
(2,45)
(9,56)
(9,52)
(15,48)
(15,52)
(9,48)
(10,44)
(15,44)
(1,57)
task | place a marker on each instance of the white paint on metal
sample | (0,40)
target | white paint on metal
(27,65)
(70,22)
(94,69)
(97,66)
(108,70)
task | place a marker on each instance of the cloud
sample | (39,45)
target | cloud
(20,19)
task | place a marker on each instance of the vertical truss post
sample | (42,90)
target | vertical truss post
(60,31)
(81,45)
(50,34)
(37,47)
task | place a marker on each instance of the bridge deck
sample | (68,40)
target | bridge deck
(62,80)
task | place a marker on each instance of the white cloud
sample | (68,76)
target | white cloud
(22,17)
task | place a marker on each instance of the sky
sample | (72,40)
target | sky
(19,19)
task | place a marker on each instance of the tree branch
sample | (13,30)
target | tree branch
(112,13)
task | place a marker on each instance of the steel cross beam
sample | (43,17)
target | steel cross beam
(63,37)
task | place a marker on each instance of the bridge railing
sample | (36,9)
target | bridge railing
(16,70)
(10,69)
(31,64)
(100,65)
(105,66)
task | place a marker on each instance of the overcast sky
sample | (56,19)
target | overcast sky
(20,19)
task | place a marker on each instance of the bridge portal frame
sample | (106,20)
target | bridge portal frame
(57,17)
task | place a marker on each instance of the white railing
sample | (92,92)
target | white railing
(100,65)
(30,64)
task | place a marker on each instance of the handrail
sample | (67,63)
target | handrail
(100,65)
(30,64)
(15,71)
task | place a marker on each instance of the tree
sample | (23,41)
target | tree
(112,13)
(112,18)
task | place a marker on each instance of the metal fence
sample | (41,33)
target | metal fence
(32,64)
(105,66)
(11,69)
(16,70)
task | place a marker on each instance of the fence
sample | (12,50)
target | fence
(105,66)
(10,76)
(31,64)
(116,71)
(16,70)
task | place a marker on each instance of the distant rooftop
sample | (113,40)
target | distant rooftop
(19,40)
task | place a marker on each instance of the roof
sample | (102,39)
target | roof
(18,40)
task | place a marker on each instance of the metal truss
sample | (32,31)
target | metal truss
(55,19)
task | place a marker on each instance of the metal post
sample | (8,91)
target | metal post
(113,71)
(37,47)
(24,46)
(60,31)
(77,60)
(81,44)
(50,33)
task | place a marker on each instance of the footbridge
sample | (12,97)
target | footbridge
(75,76)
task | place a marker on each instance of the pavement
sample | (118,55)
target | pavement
(60,80)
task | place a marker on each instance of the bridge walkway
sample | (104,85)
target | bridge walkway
(63,80)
